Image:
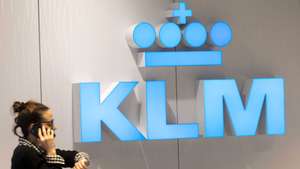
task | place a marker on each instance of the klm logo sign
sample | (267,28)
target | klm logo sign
(216,99)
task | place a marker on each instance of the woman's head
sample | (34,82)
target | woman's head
(30,113)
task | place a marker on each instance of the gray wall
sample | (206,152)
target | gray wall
(19,65)
(83,40)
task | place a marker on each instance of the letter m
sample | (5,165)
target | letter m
(244,120)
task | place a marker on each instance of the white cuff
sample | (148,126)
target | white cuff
(55,159)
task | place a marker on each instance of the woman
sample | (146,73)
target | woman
(36,148)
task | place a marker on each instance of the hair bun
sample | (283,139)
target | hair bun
(18,106)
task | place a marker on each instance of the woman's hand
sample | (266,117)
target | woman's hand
(82,164)
(46,140)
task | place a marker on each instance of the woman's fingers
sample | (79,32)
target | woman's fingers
(48,131)
(83,164)
(77,166)
(44,131)
(80,165)
(40,134)
(51,133)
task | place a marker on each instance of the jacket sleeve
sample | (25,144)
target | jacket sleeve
(71,156)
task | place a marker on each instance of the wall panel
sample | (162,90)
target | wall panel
(84,40)
(265,43)
(19,65)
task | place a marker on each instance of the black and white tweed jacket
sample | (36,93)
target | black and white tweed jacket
(28,156)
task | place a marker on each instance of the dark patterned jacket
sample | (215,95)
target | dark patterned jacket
(28,156)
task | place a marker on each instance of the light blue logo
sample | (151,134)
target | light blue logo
(93,112)
(244,118)
(170,35)
(94,109)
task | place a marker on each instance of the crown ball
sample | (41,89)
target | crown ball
(141,35)
(195,34)
(220,34)
(168,35)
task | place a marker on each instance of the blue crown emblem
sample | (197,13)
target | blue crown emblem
(170,35)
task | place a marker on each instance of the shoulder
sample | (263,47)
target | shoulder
(22,155)
(22,151)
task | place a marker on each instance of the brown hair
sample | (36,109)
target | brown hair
(26,114)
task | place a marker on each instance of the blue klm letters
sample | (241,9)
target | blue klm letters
(157,116)
(216,93)
(244,119)
(93,113)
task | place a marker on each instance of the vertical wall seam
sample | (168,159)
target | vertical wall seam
(144,155)
(177,115)
(39,46)
(177,112)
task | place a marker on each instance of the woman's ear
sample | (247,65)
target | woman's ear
(30,131)
(30,127)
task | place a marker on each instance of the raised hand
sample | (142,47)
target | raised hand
(46,140)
